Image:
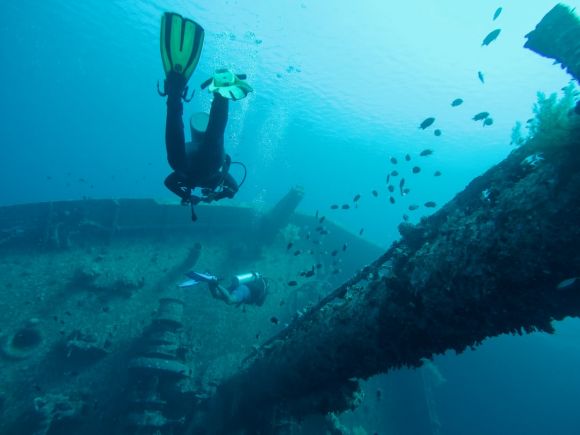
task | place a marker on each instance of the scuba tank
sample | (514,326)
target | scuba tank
(246,278)
(256,282)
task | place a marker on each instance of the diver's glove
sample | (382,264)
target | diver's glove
(228,85)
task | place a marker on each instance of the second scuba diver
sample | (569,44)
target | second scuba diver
(246,288)
(203,162)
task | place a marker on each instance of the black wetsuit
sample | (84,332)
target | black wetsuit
(204,164)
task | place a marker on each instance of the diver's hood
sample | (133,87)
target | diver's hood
(198,124)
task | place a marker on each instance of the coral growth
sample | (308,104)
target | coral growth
(554,119)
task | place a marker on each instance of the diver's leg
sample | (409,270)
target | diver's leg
(175,183)
(216,127)
(174,134)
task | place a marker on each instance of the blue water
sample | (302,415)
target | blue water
(340,87)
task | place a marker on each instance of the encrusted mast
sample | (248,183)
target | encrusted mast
(501,257)
(557,36)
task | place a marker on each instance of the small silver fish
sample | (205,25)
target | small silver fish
(426,123)
(401,185)
(480,116)
(567,283)
(491,36)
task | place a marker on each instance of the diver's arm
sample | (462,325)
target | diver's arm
(220,292)
(229,188)
(218,119)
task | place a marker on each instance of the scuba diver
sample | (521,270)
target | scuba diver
(203,162)
(246,288)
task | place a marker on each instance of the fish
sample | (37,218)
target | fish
(309,274)
(497,13)
(426,123)
(437,173)
(289,246)
(395,173)
(407,157)
(480,76)
(344,247)
(487,122)
(491,36)
(413,207)
(345,206)
(257,335)
(405,218)
(426,153)
(394,160)
(356,197)
(566,283)
(391,200)
(391,188)
(375,193)
(361,231)
(437,132)
(334,207)
(456,102)
(297,252)
(430,204)
(274,320)
(292,283)
(319,265)
(324,232)
(480,116)
(333,253)
(406,191)
(401,185)
(336,271)
(388,178)
(416,169)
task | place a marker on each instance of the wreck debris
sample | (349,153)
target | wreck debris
(54,409)
(83,348)
(23,342)
(160,382)
(278,217)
